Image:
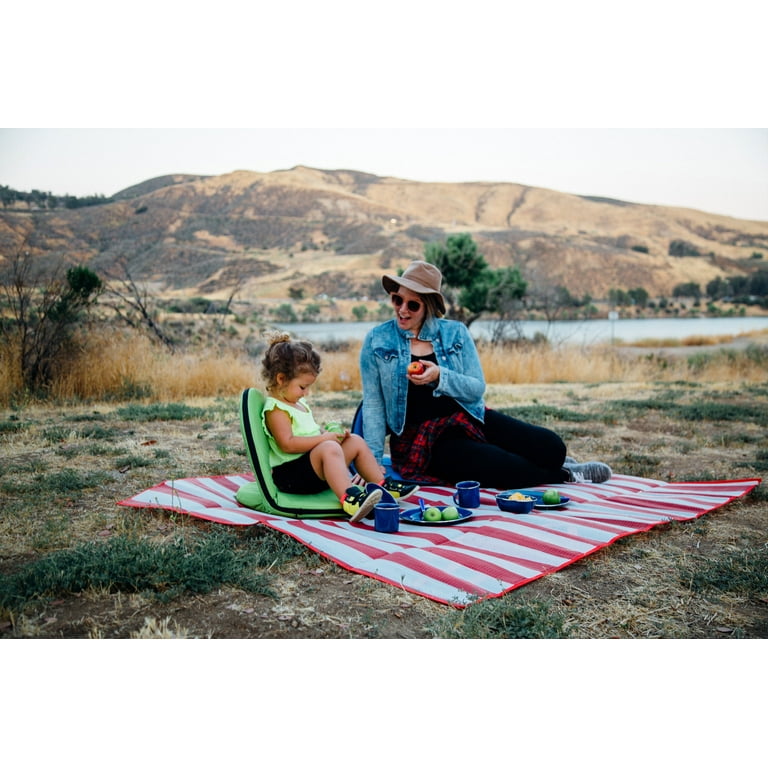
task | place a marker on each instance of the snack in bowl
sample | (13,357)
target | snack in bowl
(519,503)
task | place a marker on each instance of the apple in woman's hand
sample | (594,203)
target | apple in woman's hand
(416,367)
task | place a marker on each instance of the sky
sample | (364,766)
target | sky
(662,104)
(716,170)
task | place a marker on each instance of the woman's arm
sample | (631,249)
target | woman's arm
(461,373)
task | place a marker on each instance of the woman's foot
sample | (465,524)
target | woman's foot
(588,472)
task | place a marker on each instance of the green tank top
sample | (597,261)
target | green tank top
(303,424)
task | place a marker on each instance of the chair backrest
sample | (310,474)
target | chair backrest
(263,493)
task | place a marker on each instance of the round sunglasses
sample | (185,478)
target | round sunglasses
(413,305)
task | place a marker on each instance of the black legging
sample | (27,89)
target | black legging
(517,455)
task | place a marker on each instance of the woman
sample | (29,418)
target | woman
(440,429)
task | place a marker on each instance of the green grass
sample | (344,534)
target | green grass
(272,548)
(63,433)
(741,573)
(160,412)
(12,426)
(507,617)
(538,414)
(700,411)
(134,565)
(57,483)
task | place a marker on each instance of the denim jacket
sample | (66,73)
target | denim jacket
(384,357)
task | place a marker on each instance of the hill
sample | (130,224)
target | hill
(268,235)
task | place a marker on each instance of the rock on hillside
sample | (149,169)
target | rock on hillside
(336,231)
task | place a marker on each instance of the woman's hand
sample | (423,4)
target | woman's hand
(430,373)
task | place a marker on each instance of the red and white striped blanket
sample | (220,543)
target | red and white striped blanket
(492,553)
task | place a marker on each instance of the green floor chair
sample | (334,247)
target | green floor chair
(262,493)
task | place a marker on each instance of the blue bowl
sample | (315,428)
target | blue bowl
(520,507)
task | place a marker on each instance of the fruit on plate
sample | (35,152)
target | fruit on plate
(432,514)
(450,513)
(416,368)
(550,496)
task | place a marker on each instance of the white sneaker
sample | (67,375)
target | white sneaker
(589,472)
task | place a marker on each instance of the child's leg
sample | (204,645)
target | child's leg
(356,450)
(330,464)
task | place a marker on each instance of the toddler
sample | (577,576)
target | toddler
(304,458)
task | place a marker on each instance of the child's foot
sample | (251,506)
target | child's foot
(589,472)
(400,489)
(358,502)
(569,460)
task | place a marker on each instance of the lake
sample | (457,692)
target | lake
(581,332)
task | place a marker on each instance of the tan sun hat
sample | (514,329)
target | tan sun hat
(420,277)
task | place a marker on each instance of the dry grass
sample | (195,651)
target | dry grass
(125,366)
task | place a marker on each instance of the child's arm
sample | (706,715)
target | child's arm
(279,424)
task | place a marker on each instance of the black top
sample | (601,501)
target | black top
(422,404)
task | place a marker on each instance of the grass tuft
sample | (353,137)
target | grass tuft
(741,573)
(133,565)
(160,412)
(505,617)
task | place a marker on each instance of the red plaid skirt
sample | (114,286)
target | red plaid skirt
(412,450)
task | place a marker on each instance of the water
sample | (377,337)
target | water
(580,332)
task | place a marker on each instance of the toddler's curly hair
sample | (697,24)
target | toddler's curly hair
(289,357)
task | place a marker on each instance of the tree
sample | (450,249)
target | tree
(500,291)
(717,288)
(683,248)
(462,267)
(133,306)
(470,286)
(638,296)
(42,310)
(687,289)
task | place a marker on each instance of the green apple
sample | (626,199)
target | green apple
(550,496)
(450,513)
(432,514)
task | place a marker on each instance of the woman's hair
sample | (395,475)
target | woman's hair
(291,358)
(431,304)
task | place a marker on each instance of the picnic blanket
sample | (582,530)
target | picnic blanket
(492,553)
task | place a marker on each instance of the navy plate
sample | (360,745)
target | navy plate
(414,517)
